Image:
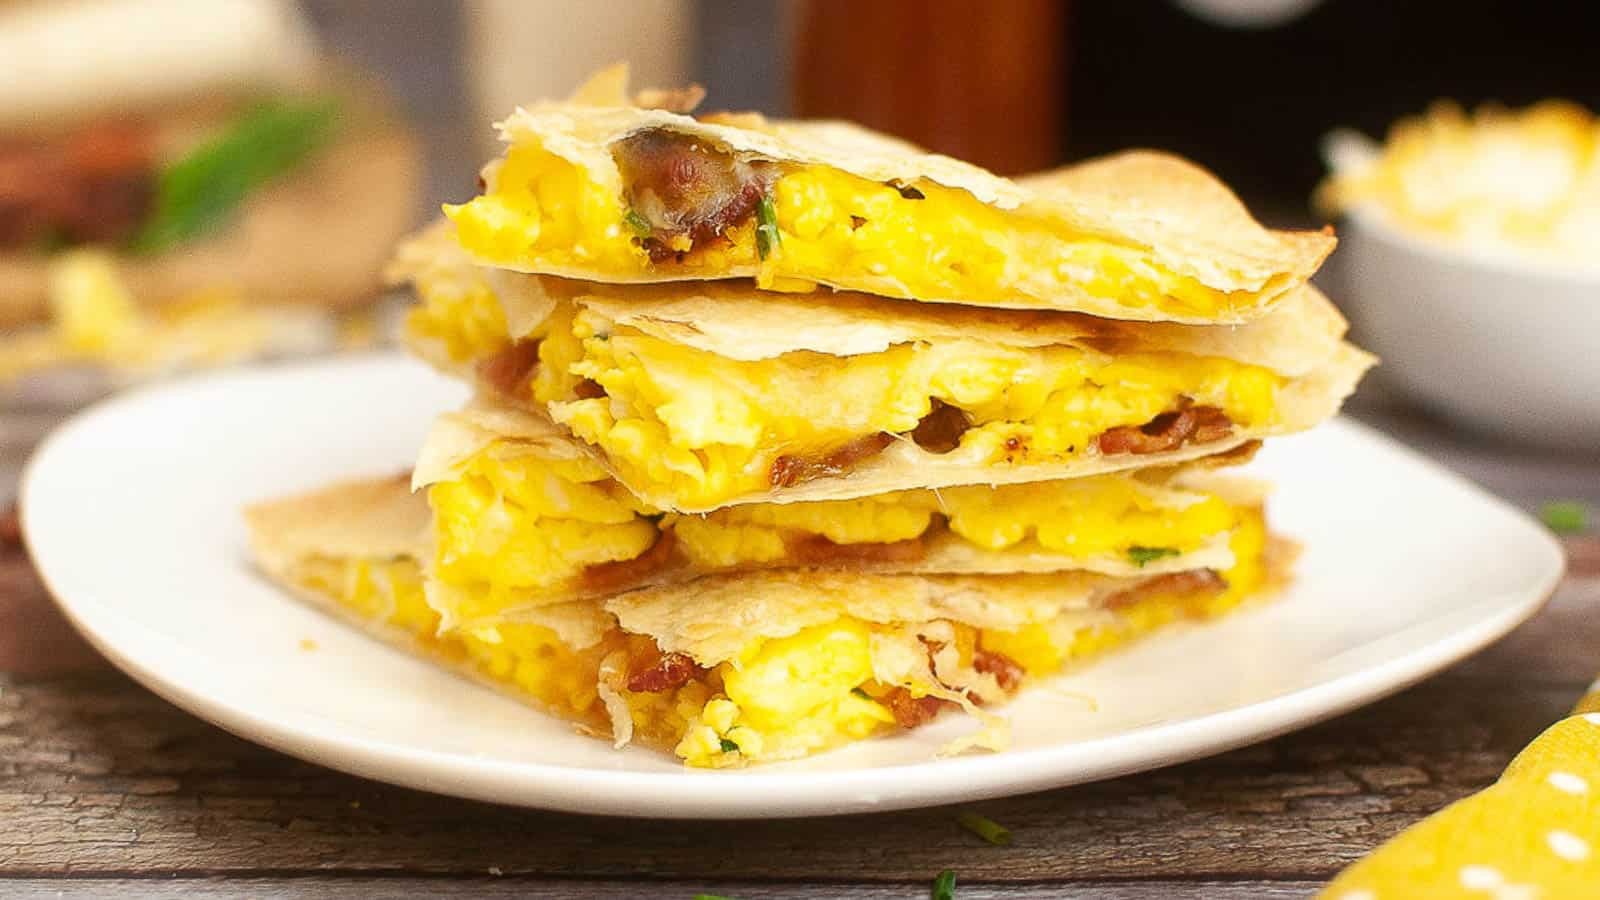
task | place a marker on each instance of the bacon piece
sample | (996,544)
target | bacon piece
(669,672)
(588,390)
(621,574)
(816,550)
(508,370)
(96,184)
(941,429)
(682,185)
(1007,672)
(909,711)
(1168,431)
(788,471)
(1194,581)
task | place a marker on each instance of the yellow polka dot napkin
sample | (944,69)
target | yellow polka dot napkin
(1532,835)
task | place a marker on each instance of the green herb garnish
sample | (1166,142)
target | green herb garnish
(1142,555)
(638,224)
(944,886)
(1565,516)
(860,693)
(729,746)
(711,897)
(202,190)
(986,828)
(767,238)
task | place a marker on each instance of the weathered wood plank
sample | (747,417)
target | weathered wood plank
(111,780)
(493,888)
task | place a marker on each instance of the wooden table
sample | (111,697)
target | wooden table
(105,789)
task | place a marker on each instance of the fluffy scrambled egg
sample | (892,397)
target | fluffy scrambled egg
(516,524)
(544,214)
(780,698)
(705,429)
(1527,181)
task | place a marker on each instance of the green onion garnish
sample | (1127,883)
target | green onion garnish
(944,887)
(205,188)
(986,828)
(638,224)
(767,238)
(1142,555)
(1565,516)
(729,746)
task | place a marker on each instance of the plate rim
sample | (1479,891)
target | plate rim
(762,794)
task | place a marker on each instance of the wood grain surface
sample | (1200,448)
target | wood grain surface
(106,790)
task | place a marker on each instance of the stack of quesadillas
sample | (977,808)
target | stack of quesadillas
(788,434)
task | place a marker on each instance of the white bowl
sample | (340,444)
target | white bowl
(1500,344)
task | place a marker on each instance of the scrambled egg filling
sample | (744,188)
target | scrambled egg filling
(706,429)
(1521,181)
(781,698)
(544,214)
(516,522)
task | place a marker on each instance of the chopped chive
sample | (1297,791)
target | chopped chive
(729,746)
(944,886)
(767,237)
(986,828)
(1565,516)
(860,693)
(1142,555)
(638,224)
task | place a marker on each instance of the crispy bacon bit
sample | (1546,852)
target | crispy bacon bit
(96,184)
(11,527)
(816,550)
(1006,671)
(941,429)
(669,672)
(1168,431)
(621,574)
(508,370)
(1195,581)
(788,471)
(588,390)
(909,711)
(681,185)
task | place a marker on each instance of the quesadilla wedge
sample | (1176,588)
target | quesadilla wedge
(738,669)
(696,396)
(607,189)
(523,518)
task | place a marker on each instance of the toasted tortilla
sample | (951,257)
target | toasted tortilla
(1182,215)
(455,437)
(318,237)
(712,618)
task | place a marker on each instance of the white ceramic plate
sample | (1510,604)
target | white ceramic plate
(132,514)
